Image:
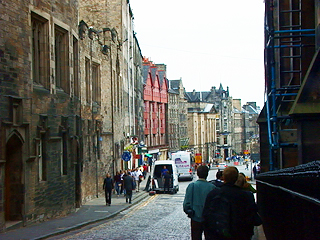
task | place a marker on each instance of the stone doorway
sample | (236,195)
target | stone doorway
(13,180)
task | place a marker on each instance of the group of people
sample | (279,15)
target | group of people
(124,182)
(222,209)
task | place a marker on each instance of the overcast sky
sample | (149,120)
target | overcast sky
(206,42)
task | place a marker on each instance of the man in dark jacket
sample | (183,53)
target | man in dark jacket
(107,187)
(128,186)
(240,211)
(218,182)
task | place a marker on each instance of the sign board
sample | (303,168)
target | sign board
(198,158)
(126,156)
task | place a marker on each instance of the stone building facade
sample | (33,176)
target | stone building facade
(173,120)
(222,103)
(251,140)
(177,116)
(122,85)
(202,131)
(67,110)
(237,125)
(40,114)
(245,128)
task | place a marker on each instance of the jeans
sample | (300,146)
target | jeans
(117,187)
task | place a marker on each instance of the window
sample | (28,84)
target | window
(225,126)
(88,89)
(42,147)
(40,51)
(42,157)
(217,126)
(61,59)
(96,86)
(76,68)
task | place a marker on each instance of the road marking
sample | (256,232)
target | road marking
(101,211)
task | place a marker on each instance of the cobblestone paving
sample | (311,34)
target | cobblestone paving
(160,217)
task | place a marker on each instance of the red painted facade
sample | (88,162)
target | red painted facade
(155,101)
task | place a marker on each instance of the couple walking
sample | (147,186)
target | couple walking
(226,212)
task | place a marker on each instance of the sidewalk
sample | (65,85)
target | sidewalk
(91,212)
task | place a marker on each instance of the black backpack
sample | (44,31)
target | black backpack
(218,217)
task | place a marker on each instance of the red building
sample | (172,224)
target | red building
(155,102)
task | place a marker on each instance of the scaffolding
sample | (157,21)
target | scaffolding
(288,38)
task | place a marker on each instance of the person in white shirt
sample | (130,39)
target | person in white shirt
(137,178)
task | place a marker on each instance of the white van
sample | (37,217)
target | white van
(156,179)
(182,160)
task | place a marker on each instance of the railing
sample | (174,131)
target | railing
(289,202)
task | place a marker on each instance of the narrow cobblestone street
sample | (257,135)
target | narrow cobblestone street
(159,217)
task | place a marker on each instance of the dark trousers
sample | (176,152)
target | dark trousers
(197,228)
(108,196)
(166,186)
(128,195)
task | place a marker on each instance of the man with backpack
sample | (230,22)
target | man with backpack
(194,199)
(229,211)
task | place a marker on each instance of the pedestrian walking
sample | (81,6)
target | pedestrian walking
(242,182)
(107,187)
(254,170)
(218,182)
(167,179)
(229,211)
(258,168)
(128,186)
(117,183)
(137,178)
(194,201)
(145,170)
